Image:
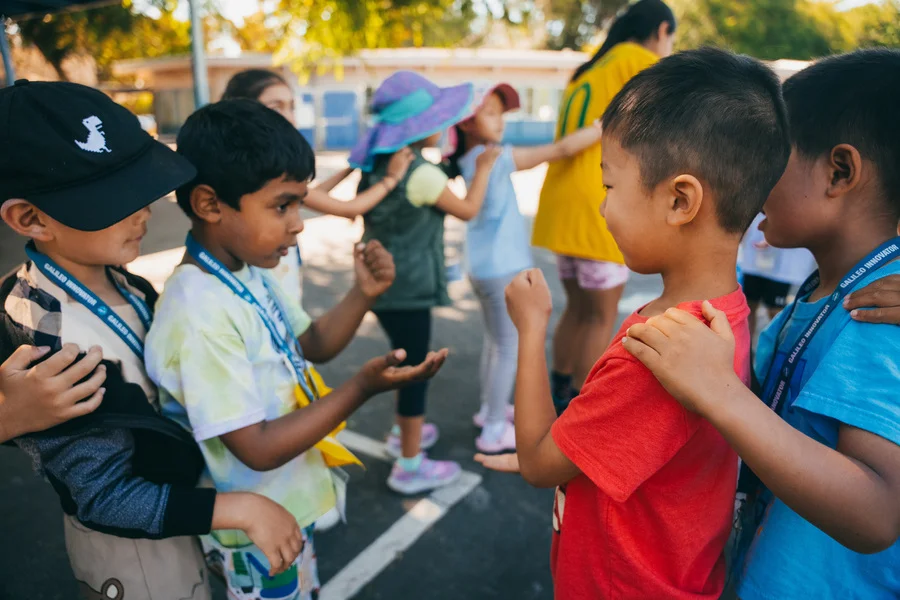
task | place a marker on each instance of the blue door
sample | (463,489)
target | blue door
(341,120)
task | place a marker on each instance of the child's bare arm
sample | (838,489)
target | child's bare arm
(878,302)
(574,143)
(467,208)
(333,181)
(849,493)
(270,444)
(541,462)
(319,200)
(328,335)
(268,525)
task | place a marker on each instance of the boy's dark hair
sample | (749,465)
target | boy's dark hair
(851,99)
(710,113)
(237,147)
(251,84)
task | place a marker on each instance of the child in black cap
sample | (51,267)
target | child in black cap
(79,184)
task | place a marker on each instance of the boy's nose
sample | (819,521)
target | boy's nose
(298,226)
(143,215)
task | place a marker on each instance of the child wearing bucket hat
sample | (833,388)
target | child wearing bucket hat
(79,185)
(497,248)
(410,110)
(273,91)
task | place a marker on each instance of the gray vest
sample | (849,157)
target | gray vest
(415,237)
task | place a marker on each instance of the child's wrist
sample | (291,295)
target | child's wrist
(10,428)
(359,387)
(358,290)
(718,400)
(533,333)
(231,510)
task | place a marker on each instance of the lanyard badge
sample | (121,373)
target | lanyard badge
(309,384)
(81,293)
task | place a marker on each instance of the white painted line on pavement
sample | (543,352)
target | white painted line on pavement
(364,445)
(397,539)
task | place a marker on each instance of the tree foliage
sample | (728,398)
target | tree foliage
(315,33)
(107,34)
(799,29)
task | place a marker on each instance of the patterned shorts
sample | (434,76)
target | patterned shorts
(246,572)
(595,275)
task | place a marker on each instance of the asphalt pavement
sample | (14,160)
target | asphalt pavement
(487,538)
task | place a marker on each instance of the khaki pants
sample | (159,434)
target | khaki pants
(111,568)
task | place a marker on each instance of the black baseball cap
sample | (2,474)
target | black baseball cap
(80,157)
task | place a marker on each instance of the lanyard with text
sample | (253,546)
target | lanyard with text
(92,302)
(308,382)
(751,504)
(785,371)
(289,348)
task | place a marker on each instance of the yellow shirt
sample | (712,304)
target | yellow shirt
(568,220)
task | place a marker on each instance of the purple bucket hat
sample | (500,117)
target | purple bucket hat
(407,108)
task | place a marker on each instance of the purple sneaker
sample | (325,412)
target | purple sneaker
(430,435)
(479,418)
(431,474)
(505,442)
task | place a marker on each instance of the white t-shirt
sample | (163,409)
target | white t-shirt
(791,265)
(219,371)
(289,273)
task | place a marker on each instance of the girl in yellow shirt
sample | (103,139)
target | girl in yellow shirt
(568,220)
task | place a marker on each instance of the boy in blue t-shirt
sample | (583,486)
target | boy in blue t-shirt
(828,455)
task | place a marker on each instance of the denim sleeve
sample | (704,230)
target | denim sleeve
(92,473)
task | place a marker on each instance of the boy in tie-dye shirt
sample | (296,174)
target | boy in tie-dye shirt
(229,346)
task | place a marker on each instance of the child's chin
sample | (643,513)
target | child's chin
(268,263)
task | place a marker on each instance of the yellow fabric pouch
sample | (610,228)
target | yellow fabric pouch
(334,452)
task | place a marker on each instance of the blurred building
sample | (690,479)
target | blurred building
(331,105)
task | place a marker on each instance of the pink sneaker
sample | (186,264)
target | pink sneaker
(430,435)
(479,417)
(430,475)
(506,442)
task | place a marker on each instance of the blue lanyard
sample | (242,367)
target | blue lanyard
(788,365)
(93,303)
(289,348)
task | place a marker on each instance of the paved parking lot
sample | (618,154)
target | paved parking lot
(486,537)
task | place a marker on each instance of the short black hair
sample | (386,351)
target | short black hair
(851,99)
(716,115)
(237,147)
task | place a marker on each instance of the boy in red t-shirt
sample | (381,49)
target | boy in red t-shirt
(691,149)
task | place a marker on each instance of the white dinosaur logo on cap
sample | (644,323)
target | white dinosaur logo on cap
(96,141)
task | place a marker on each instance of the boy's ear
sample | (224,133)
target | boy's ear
(662,30)
(205,204)
(26,219)
(686,198)
(844,170)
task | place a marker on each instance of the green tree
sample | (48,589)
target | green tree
(876,24)
(767,29)
(575,23)
(107,33)
(314,31)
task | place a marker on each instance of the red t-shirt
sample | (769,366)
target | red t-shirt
(649,516)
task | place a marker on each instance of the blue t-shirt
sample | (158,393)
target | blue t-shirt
(850,374)
(496,240)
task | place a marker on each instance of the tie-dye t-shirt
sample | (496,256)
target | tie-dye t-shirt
(218,371)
